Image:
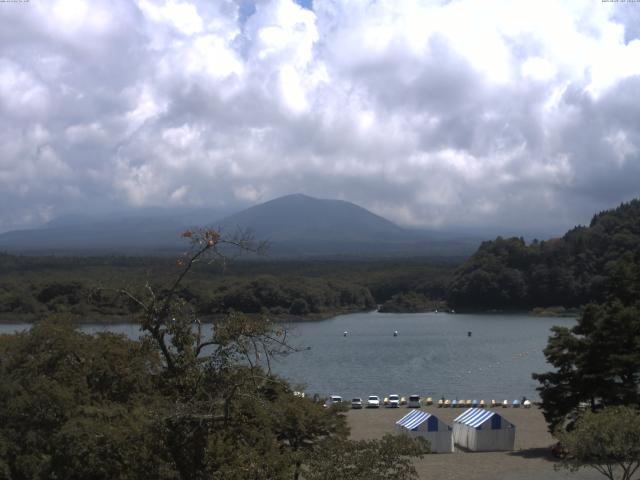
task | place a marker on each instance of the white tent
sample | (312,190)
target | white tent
(483,430)
(422,424)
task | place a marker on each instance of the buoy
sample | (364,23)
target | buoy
(468,334)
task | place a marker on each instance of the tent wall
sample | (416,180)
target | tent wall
(485,439)
(435,431)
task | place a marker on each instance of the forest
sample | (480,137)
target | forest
(503,274)
(87,288)
(571,271)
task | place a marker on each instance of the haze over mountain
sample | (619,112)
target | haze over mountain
(293,225)
(149,230)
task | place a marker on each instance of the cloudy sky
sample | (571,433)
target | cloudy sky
(431,113)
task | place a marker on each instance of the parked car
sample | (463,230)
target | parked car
(356,403)
(332,400)
(414,401)
(394,401)
(373,401)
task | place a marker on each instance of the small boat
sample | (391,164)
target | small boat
(447,403)
(468,403)
(505,404)
(516,404)
(474,403)
(345,333)
(430,401)
(395,333)
(454,403)
(482,405)
(440,403)
(526,404)
(494,403)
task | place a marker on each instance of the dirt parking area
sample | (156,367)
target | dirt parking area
(531,459)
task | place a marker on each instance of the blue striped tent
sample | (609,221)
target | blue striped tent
(424,424)
(483,430)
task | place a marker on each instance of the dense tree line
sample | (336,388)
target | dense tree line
(86,287)
(411,302)
(591,398)
(570,271)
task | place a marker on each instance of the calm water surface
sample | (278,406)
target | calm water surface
(432,354)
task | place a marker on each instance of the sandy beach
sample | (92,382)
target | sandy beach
(531,459)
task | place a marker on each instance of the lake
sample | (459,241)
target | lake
(431,356)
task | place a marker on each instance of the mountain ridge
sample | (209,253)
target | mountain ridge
(293,225)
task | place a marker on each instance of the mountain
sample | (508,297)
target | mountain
(299,225)
(293,225)
(295,218)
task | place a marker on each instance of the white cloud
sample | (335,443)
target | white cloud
(433,113)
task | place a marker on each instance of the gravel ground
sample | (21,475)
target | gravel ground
(531,459)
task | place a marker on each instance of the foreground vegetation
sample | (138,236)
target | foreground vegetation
(597,368)
(174,404)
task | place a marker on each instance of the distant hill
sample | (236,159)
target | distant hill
(568,271)
(293,225)
(295,218)
(148,231)
(299,225)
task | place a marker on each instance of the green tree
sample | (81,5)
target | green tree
(597,361)
(176,404)
(386,459)
(607,441)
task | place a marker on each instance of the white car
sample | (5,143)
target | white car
(356,403)
(373,401)
(394,401)
(332,400)
(414,401)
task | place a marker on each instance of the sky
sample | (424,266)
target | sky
(434,114)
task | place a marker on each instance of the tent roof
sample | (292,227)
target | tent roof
(474,417)
(413,419)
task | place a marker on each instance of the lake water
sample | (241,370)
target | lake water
(431,356)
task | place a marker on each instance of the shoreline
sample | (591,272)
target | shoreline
(9,319)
